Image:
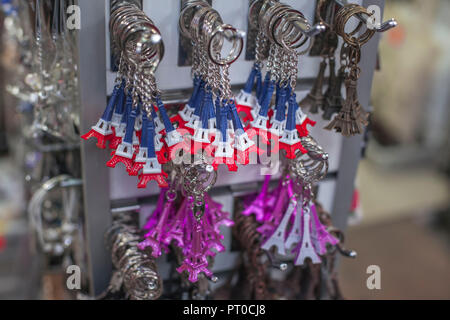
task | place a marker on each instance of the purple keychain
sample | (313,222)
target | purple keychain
(196,261)
(205,219)
(156,234)
(273,215)
(191,224)
(176,227)
(319,234)
(292,224)
(299,226)
(218,217)
(259,205)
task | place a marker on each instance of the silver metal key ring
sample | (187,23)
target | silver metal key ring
(284,32)
(271,15)
(296,44)
(187,14)
(137,38)
(149,55)
(211,19)
(236,50)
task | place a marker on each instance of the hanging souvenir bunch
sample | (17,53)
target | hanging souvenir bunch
(325,45)
(271,111)
(135,274)
(288,219)
(210,119)
(289,222)
(135,124)
(252,278)
(352,117)
(186,218)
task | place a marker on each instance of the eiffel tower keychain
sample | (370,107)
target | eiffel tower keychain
(352,118)
(246,102)
(332,98)
(315,99)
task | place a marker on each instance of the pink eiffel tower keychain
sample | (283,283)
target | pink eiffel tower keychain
(196,261)
(192,223)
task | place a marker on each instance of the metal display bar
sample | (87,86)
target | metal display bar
(92,48)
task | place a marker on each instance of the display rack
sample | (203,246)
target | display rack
(110,189)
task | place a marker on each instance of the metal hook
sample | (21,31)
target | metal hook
(275,263)
(385,26)
(309,31)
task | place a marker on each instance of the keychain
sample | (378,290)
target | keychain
(211,116)
(291,223)
(333,96)
(131,122)
(314,100)
(135,271)
(352,117)
(246,101)
(276,126)
(191,224)
(324,44)
(50,86)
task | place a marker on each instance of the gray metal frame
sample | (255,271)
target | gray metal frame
(92,48)
(97,202)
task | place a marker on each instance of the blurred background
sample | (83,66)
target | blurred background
(401,213)
(403,222)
